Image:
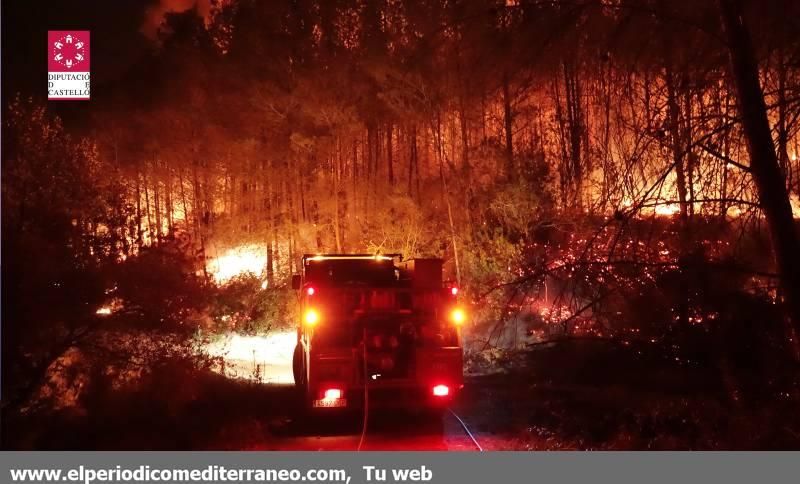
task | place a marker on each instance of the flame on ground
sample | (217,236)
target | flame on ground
(266,359)
(238,261)
(110,307)
(667,209)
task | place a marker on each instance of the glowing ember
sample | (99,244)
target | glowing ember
(238,261)
(103,311)
(267,359)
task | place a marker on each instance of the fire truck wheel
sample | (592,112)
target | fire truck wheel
(298,368)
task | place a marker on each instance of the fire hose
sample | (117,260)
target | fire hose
(466,429)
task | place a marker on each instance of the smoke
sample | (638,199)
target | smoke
(154,15)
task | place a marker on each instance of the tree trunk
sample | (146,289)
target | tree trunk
(783,131)
(336,193)
(412,159)
(416,163)
(690,155)
(564,172)
(764,165)
(183,200)
(270,226)
(677,146)
(576,133)
(389,162)
(139,238)
(446,195)
(169,202)
(157,198)
(462,118)
(147,209)
(508,119)
(726,151)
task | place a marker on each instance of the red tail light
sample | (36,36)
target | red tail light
(310,291)
(441,391)
(454,291)
(332,394)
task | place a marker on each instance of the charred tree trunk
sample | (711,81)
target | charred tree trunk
(169,202)
(678,157)
(270,232)
(782,128)
(576,129)
(764,164)
(609,175)
(337,195)
(678,145)
(508,122)
(370,152)
(389,161)
(147,208)
(139,238)
(416,163)
(183,200)
(355,178)
(157,198)
(564,171)
(302,186)
(464,127)
(691,156)
(413,161)
(437,141)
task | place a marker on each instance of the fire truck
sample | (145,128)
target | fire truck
(376,330)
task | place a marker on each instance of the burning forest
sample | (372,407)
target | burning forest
(613,186)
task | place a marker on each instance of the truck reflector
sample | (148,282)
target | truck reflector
(441,391)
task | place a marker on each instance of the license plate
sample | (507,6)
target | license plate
(335,403)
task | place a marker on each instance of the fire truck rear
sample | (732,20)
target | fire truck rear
(377,329)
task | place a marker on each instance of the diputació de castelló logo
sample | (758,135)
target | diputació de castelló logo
(68,61)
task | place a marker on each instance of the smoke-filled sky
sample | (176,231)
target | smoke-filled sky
(154,15)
